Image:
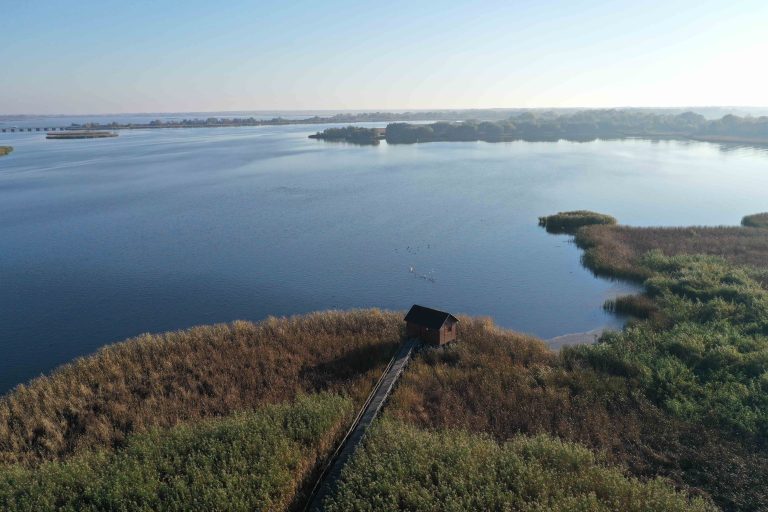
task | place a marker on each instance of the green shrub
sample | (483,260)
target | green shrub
(758,220)
(708,365)
(403,468)
(570,222)
(500,383)
(247,461)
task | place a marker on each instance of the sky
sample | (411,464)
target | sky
(109,56)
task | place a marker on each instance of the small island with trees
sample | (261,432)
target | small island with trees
(353,134)
(5,150)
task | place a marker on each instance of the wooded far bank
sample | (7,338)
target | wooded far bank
(580,126)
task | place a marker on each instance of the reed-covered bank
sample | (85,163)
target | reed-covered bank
(616,251)
(255,460)
(701,353)
(502,384)
(162,380)
(403,468)
(493,382)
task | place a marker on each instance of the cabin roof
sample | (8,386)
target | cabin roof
(428,317)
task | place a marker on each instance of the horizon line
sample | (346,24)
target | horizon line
(309,111)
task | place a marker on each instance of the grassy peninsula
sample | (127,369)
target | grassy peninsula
(616,251)
(4,150)
(704,354)
(157,398)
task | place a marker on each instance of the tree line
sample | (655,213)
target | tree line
(552,126)
(583,125)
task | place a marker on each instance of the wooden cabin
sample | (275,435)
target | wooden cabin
(430,325)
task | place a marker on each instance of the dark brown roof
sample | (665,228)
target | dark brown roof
(428,317)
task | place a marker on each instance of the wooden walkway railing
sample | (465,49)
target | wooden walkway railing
(326,482)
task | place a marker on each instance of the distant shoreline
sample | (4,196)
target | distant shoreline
(581,127)
(446,126)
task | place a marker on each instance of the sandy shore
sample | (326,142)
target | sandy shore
(576,338)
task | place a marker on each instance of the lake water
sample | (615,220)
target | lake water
(164,229)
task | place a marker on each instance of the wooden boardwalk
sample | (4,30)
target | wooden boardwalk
(327,481)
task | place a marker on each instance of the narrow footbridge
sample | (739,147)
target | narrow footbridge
(326,483)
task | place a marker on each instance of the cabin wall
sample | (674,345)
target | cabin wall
(447,336)
(435,337)
(423,333)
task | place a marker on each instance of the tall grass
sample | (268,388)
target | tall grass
(403,468)
(616,251)
(708,360)
(638,306)
(502,384)
(162,380)
(244,462)
(702,356)
(493,382)
(711,364)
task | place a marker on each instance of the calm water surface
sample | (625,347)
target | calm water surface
(164,229)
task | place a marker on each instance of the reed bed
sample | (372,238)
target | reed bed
(166,379)
(492,382)
(248,461)
(701,356)
(403,468)
(615,251)
(499,383)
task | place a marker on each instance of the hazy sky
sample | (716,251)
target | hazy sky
(99,56)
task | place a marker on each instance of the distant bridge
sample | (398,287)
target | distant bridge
(17,129)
